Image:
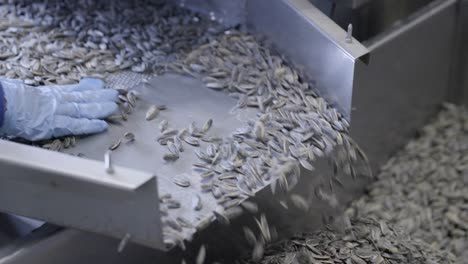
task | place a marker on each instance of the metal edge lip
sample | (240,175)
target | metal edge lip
(329,28)
(65,165)
(415,19)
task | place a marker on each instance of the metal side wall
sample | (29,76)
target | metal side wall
(405,82)
(312,43)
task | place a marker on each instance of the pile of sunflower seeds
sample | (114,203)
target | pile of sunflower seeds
(364,241)
(293,126)
(60,42)
(414,213)
(423,189)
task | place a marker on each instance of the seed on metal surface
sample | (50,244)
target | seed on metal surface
(205,222)
(182,181)
(181,134)
(207,125)
(129,136)
(259,130)
(197,203)
(115,145)
(172,204)
(165,196)
(161,107)
(192,129)
(173,224)
(171,157)
(178,143)
(215,85)
(183,222)
(67,142)
(72,141)
(131,99)
(151,113)
(169,132)
(192,140)
(172,148)
(123,98)
(163,125)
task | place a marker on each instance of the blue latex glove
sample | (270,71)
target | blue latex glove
(36,113)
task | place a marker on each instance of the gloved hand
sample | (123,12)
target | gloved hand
(36,113)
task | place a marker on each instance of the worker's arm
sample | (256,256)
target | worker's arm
(36,113)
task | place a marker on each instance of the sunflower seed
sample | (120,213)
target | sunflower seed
(129,136)
(249,236)
(178,144)
(207,125)
(306,164)
(67,142)
(172,204)
(163,125)
(183,222)
(131,98)
(173,224)
(115,145)
(264,228)
(205,222)
(197,204)
(299,202)
(123,243)
(182,182)
(250,206)
(221,217)
(192,141)
(201,255)
(172,148)
(170,156)
(152,112)
(258,250)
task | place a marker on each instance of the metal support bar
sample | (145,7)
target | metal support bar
(77,192)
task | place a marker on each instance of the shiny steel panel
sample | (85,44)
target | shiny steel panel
(77,192)
(313,43)
(405,82)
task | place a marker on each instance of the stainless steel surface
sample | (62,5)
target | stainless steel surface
(405,82)
(57,193)
(187,101)
(76,192)
(459,83)
(370,17)
(313,43)
(14,227)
